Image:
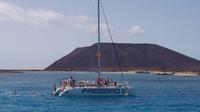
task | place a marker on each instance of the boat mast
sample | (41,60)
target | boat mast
(98,50)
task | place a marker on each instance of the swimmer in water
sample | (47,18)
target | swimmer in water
(14,93)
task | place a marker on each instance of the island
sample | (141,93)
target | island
(132,57)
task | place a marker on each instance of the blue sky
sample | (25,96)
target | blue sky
(35,33)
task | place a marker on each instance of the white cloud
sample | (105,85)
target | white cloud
(13,13)
(81,22)
(136,30)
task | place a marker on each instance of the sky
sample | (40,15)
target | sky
(35,33)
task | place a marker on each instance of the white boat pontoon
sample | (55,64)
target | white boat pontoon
(100,86)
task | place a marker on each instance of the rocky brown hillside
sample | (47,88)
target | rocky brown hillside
(132,57)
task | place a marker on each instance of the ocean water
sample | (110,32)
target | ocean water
(31,92)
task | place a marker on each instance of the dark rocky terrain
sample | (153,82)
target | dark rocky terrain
(131,57)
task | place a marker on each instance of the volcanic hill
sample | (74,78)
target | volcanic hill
(131,57)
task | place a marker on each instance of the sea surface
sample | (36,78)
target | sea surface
(31,92)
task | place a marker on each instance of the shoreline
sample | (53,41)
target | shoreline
(153,72)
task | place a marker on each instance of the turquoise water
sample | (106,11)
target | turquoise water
(151,93)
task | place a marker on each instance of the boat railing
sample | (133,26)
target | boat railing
(83,84)
(94,84)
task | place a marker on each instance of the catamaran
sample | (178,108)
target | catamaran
(100,86)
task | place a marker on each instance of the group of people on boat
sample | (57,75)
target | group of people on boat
(72,82)
(68,82)
(106,82)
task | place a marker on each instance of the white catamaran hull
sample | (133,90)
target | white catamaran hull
(92,91)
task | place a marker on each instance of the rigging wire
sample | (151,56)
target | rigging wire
(111,38)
